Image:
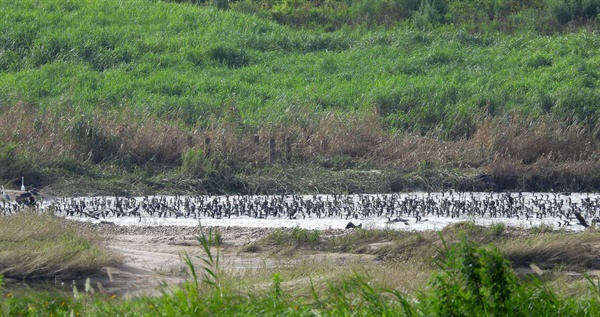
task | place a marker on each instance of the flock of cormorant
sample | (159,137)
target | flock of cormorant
(406,208)
(564,208)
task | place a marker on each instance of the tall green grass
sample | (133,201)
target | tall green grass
(137,84)
(187,63)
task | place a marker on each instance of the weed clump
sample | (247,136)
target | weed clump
(296,236)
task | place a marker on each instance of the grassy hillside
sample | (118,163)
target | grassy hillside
(127,92)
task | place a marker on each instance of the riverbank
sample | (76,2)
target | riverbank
(167,267)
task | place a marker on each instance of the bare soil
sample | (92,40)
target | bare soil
(153,257)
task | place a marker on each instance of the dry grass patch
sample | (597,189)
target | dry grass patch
(536,154)
(544,247)
(576,251)
(301,275)
(537,245)
(40,245)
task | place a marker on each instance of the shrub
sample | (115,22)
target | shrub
(194,162)
(427,15)
(221,4)
(386,12)
(472,281)
(246,6)
(296,237)
(565,11)
(304,236)
(12,164)
(497,229)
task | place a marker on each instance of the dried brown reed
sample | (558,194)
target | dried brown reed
(531,139)
(573,250)
(520,152)
(24,125)
(155,141)
(404,260)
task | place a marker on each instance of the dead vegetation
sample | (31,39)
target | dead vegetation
(547,249)
(405,260)
(40,245)
(520,153)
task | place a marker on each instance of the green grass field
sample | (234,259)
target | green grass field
(130,87)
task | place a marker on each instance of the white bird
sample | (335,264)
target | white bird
(5,196)
(23,184)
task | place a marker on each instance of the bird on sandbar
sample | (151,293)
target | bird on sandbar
(581,220)
(5,195)
(351,225)
(27,197)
